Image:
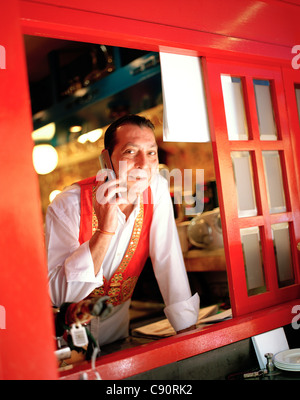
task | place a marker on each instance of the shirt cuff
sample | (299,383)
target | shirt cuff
(183,314)
(79,266)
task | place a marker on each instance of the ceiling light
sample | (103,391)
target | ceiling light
(80,92)
(75,129)
(91,136)
(94,135)
(45,158)
(53,194)
(82,138)
(46,132)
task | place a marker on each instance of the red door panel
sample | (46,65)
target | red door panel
(266,229)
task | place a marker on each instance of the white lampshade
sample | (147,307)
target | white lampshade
(45,158)
(53,194)
(91,136)
(46,132)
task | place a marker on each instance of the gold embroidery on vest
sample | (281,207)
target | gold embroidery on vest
(94,217)
(120,291)
(98,292)
(128,287)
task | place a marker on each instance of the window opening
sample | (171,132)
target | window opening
(253,260)
(273,174)
(265,110)
(243,177)
(237,127)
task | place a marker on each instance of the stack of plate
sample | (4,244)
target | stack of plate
(288,360)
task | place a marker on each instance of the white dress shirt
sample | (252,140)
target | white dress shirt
(71,268)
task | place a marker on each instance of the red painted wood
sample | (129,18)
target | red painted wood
(249,28)
(274,21)
(26,343)
(291,77)
(222,147)
(127,363)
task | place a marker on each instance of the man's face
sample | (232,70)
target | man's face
(134,157)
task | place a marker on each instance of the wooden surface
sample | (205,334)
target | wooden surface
(205,260)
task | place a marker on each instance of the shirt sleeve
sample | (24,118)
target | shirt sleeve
(70,265)
(166,255)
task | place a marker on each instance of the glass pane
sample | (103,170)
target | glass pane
(237,127)
(273,175)
(264,107)
(297,91)
(242,167)
(253,260)
(282,247)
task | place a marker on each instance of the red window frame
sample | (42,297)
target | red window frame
(241,302)
(290,78)
(88,24)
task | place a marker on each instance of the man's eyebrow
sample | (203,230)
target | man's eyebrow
(132,144)
(129,144)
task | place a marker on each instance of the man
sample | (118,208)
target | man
(98,241)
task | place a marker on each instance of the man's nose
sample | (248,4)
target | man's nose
(141,160)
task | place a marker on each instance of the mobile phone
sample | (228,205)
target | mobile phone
(106,164)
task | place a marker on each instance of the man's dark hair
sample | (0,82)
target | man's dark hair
(130,119)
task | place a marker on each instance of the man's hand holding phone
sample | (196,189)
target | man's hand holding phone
(105,205)
(108,198)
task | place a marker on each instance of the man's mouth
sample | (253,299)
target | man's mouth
(138,177)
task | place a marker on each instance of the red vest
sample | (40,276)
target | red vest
(121,285)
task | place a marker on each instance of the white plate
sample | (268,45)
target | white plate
(286,367)
(288,360)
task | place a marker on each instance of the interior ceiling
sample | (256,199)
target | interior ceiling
(264,21)
(37,49)
(92,114)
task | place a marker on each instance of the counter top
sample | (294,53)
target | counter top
(205,260)
(133,361)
